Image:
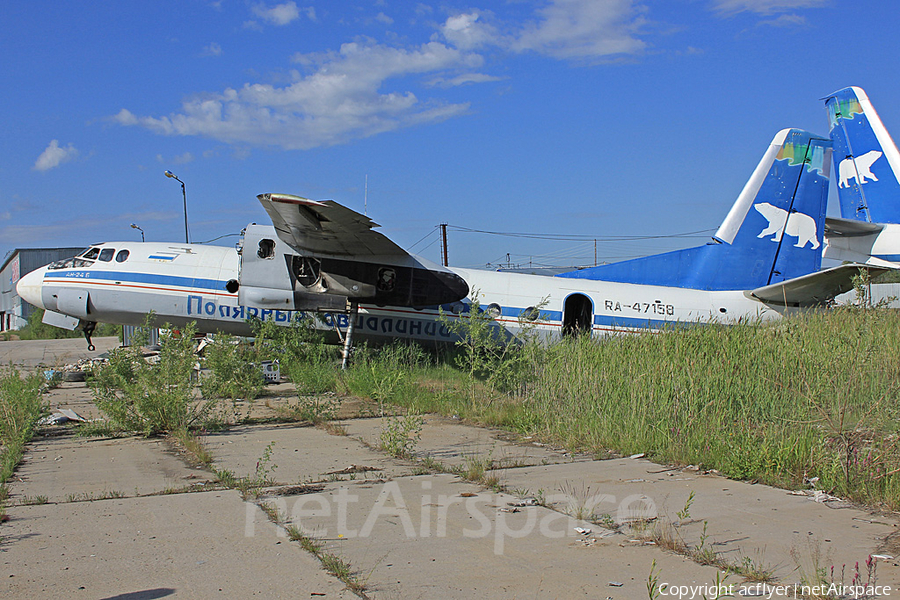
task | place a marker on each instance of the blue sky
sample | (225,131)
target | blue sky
(591,118)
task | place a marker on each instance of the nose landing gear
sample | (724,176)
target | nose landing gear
(88,328)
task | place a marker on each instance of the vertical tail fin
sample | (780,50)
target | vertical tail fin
(866,159)
(773,232)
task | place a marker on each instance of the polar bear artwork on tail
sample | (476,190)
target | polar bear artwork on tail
(862,170)
(799,225)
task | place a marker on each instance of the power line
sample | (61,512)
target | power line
(422,239)
(583,237)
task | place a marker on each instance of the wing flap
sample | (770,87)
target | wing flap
(326,228)
(815,288)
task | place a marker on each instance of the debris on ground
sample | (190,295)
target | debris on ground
(353,469)
(60,416)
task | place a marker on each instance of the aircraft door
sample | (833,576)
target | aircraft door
(578,312)
(73,302)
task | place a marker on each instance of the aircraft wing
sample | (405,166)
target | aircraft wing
(326,228)
(334,256)
(850,228)
(815,288)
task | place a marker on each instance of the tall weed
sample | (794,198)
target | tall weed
(151,398)
(488,353)
(20,408)
(814,396)
(234,370)
(307,361)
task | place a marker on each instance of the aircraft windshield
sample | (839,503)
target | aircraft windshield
(85,259)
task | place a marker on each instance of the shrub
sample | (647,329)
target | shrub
(137,395)
(234,370)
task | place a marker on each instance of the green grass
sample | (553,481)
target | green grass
(815,395)
(812,396)
(20,408)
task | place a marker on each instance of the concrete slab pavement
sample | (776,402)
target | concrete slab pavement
(62,467)
(441,537)
(180,545)
(300,454)
(407,533)
(52,353)
(742,521)
(452,443)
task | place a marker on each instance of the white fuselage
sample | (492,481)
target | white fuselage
(181,283)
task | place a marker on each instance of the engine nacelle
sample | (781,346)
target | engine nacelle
(273,275)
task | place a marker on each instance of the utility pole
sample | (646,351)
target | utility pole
(446,262)
(595,252)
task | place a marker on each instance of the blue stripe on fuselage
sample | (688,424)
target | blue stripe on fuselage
(148,278)
(637,322)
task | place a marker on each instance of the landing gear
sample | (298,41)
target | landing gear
(348,340)
(88,328)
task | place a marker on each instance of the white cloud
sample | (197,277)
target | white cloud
(785,21)
(341,101)
(125,117)
(344,95)
(466,32)
(383,18)
(53,156)
(181,159)
(464,79)
(763,7)
(583,29)
(280,14)
(213,49)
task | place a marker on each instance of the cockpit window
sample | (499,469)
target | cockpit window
(85,259)
(106,254)
(122,256)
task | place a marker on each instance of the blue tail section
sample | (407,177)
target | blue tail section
(866,160)
(772,233)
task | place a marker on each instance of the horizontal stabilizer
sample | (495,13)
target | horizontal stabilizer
(850,228)
(816,288)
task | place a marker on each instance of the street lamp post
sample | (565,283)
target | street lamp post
(133,226)
(184,197)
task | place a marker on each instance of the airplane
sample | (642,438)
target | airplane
(763,262)
(867,164)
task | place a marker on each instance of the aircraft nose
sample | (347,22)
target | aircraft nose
(29,287)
